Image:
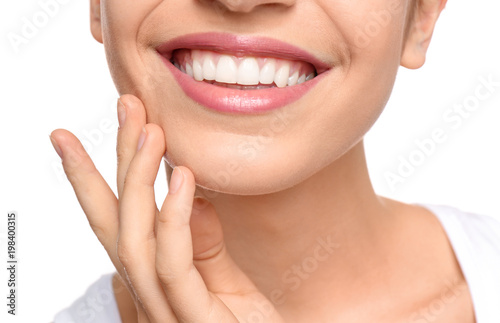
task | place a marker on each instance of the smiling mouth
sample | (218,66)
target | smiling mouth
(241,72)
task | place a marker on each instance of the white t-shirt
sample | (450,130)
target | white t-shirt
(475,240)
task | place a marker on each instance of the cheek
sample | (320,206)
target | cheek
(373,36)
(122,20)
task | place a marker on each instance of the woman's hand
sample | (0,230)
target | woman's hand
(173,261)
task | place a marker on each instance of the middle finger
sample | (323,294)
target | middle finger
(132,118)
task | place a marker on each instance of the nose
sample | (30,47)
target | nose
(249,5)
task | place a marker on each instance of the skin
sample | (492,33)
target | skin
(249,241)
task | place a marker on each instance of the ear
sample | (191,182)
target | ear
(95,20)
(425,15)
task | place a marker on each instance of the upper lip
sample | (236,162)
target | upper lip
(241,45)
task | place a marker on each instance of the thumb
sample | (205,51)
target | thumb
(210,256)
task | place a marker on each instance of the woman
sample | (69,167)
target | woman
(261,107)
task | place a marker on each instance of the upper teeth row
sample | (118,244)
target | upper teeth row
(205,65)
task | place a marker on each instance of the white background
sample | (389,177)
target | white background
(59,79)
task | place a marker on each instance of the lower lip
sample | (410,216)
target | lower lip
(224,99)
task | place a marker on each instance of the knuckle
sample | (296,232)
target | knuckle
(176,216)
(120,153)
(172,276)
(79,169)
(164,219)
(131,185)
(167,277)
(133,179)
(124,252)
(74,167)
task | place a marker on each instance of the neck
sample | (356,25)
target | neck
(326,228)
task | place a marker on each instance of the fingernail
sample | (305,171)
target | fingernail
(142,138)
(56,146)
(122,113)
(175,181)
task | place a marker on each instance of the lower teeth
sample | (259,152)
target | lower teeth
(242,87)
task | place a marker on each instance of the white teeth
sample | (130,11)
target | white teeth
(248,72)
(189,70)
(209,69)
(197,71)
(226,70)
(267,72)
(292,80)
(243,71)
(281,76)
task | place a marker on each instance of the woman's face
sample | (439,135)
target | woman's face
(358,46)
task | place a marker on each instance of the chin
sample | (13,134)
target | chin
(238,174)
